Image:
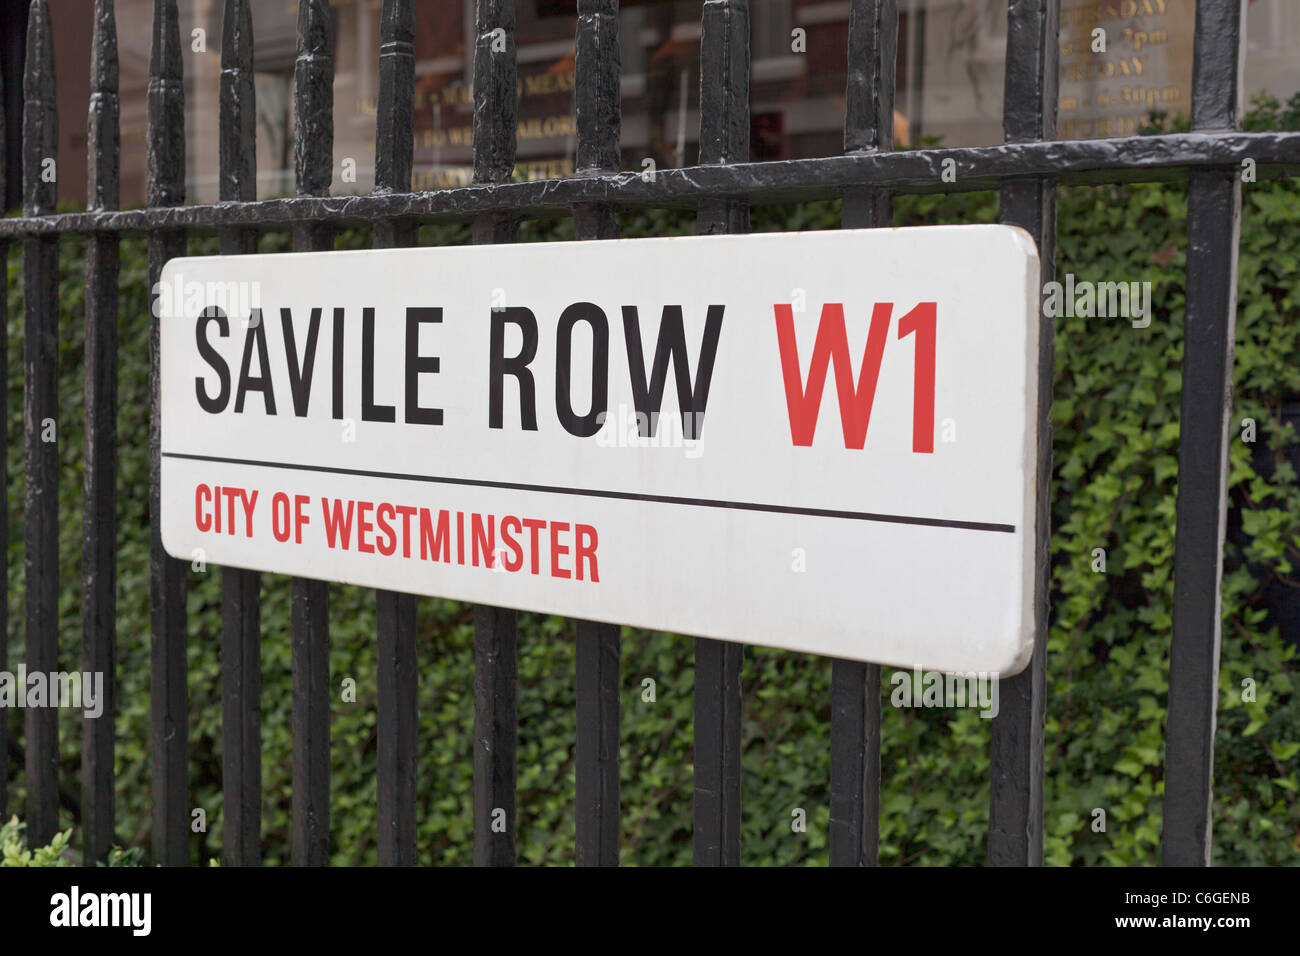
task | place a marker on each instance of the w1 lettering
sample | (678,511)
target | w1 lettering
(831,352)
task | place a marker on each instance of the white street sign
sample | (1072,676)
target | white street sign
(818,441)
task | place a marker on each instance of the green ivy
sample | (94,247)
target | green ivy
(1115,420)
(14,852)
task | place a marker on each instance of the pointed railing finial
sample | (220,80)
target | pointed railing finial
(40,115)
(496,96)
(102,128)
(237,125)
(395,116)
(596,107)
(313,121)
(397,22)
(166,106)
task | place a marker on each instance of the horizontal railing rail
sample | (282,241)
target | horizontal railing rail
(1156,158)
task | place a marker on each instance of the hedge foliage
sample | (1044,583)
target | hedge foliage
(1116,431)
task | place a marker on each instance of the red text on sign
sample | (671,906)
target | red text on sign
(831,352)
(219,508)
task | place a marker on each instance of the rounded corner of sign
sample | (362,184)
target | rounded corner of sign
(1020,658)
(178,553)
(1023,240)
(169,268)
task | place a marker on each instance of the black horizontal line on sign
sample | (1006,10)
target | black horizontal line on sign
(621,495)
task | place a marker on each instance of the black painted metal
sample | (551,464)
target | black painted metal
(313,123)
(309,643)
(397,727)
(855,764)
(241,725)
(396,660)
(854,836)
(395,118)
(599,648)
(1136,159)
(40,420)
(719,668)
(1026,168)
(495,732)
(1016,760)
(99,518)
(1213,227)
(495,637)
(4,469)
(869,83)
(166,187)
(496,98)
(719,665)
(597,111)
(167,582)
(598,119)
(916,31)
(13,47)
(241,638)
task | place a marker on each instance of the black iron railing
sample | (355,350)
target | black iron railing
(1026,169)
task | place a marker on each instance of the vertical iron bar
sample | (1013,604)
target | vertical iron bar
(167,584)
(99,519)
(869,87)
(855,686)
(397,739)
(1016,761)
(495,628)
(241,609)
(395,618)
(855,764)
(41,410)
(597,109)
(719,665)
(597,113)
(313,151)
(495,722)
(395,121)
(4,470)
(1213,227)
(309,806)
(599,648)
(916,49)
